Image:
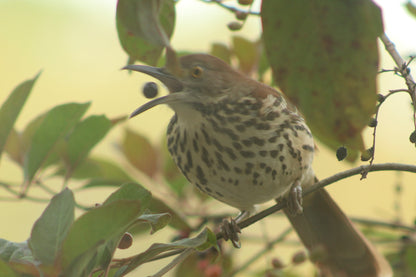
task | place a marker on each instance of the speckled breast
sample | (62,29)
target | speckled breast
(242,152)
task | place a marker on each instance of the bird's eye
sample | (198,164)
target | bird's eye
(197,71)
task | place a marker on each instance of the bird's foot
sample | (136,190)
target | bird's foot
(231,231)
(294,199)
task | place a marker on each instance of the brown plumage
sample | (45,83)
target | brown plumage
(239,141)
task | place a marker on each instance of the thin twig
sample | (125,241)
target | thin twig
(325,182)
(382,224)
(230,8)
(402,67)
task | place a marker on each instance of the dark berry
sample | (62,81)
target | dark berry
(299,257)
(245,2)
(380,98)
(234,26)
(240,15)
(412,137)
(367,154)
(372,123)
(150,90)
(126,241)
(341,153)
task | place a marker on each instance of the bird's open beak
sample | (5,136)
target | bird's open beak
(170,81)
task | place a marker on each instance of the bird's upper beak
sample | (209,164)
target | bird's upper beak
(169,80)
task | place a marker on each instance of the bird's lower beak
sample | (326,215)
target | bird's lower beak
(170,81)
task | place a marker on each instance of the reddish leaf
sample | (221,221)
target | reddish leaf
(140,153)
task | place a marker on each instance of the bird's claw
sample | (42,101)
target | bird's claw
(230,231)
(294,199)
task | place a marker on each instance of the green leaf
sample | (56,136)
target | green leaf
(14,147)
(324,57)
(83,264)
(411,8)
(144,28)
(101,172)
(97,226)
(51,228)
(11,108)
(56,124)
(246,53)
(410,260)
(84,137)
(203,241)
(156,221)
(221,51)
(6,270)
(131,191)
(178,221)
(10,250)
(140,153)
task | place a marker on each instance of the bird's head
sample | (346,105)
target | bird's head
(198,78)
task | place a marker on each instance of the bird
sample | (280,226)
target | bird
(243,143)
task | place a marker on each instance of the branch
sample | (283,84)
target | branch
(230,8)
(325,182)
(402,67)
(321,184)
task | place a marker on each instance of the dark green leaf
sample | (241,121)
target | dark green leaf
(324,57)
(84,137)
(10,109)
(140,153)
(51,228)
(95,227)
(56,124)
(144,28)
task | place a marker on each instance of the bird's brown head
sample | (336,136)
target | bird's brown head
(200,78)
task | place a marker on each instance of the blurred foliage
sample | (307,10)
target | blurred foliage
(333,82)
(58,142)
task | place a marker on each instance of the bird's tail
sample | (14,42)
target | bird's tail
(348,252)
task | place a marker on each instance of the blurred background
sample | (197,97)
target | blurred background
(75,45)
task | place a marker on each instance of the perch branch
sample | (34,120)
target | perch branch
(325,182)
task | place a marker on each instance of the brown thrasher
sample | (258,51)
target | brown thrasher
(240,141)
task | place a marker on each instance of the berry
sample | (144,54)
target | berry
(245,2)
(341,153)
(234,25)
(126,241)
(367,154)
(299,257)
(412,137)
(241,15)
(150,90)
(372,123)
(380,98)
(277,263)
